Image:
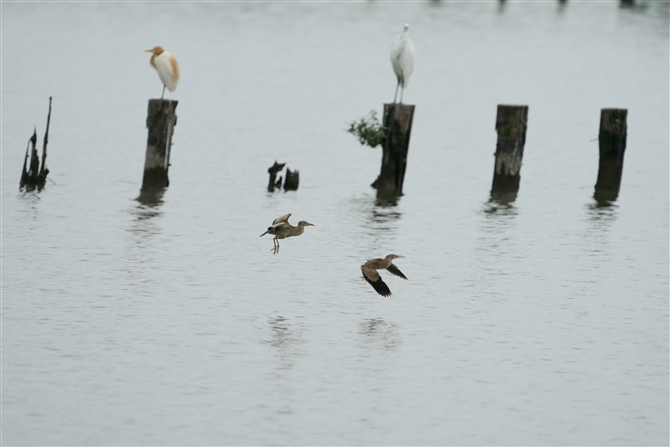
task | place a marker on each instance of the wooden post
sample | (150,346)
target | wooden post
(612,141)
(292,180)
(398,123)
(511,124)
(32,175)
(161,119)
(273,170)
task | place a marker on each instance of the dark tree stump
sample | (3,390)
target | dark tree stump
(292,180)
(32,175)
(612,141)
(273,170)
(161,119)
(511,123)
(398,123)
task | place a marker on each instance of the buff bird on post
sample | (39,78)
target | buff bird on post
(167,67)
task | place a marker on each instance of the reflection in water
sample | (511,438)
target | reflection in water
(379,332)
(382,211)
(605,199)
(379,213)
(285,340)
(502,204)
(150,200)
(603,211)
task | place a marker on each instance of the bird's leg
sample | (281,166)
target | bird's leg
(402,90)
(163,92)
(396,91)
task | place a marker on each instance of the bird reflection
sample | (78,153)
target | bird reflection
(379,332)
(285,340)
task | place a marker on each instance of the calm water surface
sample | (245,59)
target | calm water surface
(541,321)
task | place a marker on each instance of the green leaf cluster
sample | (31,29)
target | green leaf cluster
(368,130)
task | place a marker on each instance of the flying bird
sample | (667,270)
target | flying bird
(281,229)
(167,67)
(402,59)
(371,275)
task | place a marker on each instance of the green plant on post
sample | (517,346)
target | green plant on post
(368,130)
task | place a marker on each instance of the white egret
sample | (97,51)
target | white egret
(167,67)
(402,59)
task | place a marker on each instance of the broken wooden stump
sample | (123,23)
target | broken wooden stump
(398,123)
(33,175)
(511,122)
(612,142)
(161,119)
(273,170)
(292,180)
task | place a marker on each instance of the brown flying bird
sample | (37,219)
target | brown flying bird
(371,275)
(281,229)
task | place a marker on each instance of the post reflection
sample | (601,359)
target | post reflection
(502,204)
(383,209)
(605,199)
(150,200)
(602,210)
(378,332)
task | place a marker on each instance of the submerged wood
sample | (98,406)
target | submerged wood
(273,170)
(161,119)
(398,123)
(612,142)
(32,175)
(292,180)
(511,123)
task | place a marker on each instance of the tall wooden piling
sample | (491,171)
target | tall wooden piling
(161,119)
(612,142)
(511,123)
(398,123)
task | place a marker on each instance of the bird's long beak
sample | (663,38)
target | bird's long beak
(307,224)
(148,51)
(400,256)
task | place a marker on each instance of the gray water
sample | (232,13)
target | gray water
(541,321)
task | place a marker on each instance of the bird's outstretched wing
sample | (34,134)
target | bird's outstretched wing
(372,277)
(396,271)
(280,219)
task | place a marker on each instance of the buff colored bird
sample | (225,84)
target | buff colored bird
(281,229)
(167,67)
(371,275)
(402,59)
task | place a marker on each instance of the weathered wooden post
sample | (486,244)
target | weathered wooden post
(161,119)
(612,142)
(34,176)
(398,123)
(511,123)
(273,170)
(292,180)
